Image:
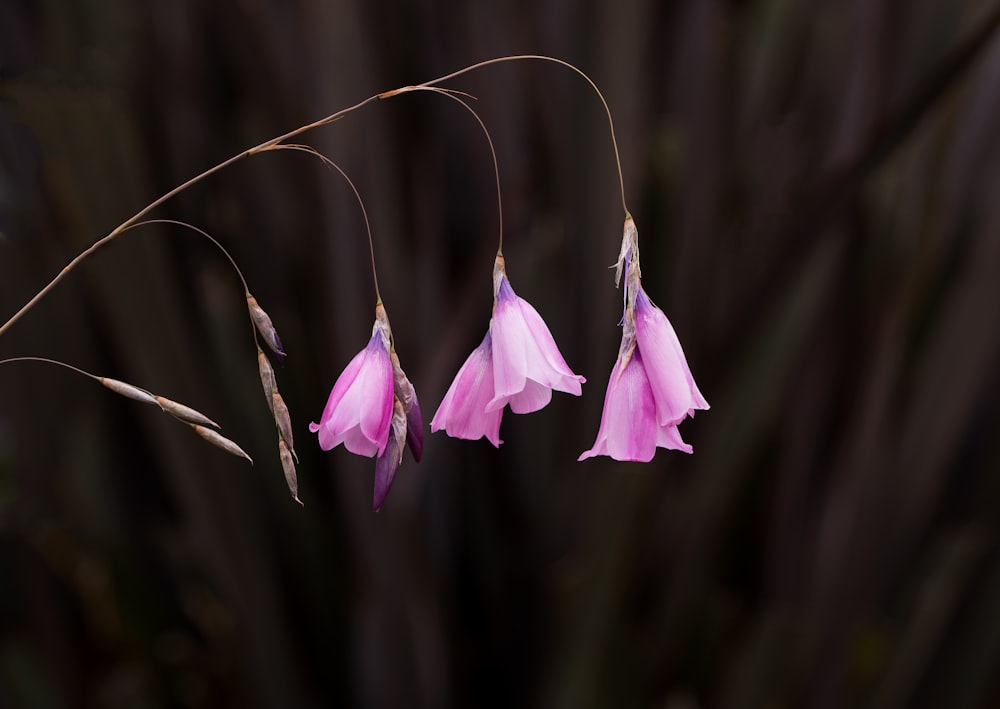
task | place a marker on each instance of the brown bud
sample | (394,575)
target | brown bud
(184,413)
(288,465)
(283,421)
(132,392)
(220,441)
(265,327)
(267,379)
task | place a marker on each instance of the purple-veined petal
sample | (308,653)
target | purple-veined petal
(462,413)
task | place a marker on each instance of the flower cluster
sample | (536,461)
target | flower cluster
(373,407)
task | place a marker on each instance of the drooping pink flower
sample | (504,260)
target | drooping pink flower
(359,410)
(629,426)
(517,363)
(463,411)
(373,409)
(651,388)
(527,365)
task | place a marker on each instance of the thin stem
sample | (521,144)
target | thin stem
(274,142)
(177,190)
(364,212)
(457,96)
(539,57)
(192,227)
(46,360)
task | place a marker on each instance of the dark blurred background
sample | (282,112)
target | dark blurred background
(816,190)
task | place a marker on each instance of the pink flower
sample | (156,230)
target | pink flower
(651,388)
(359,410)
(463,411)
(373,409)
(517,363)
(629,427)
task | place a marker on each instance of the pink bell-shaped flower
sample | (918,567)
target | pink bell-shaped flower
(651,388)
(518,363)
(358,412)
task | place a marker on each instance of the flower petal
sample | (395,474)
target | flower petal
(359,409)
(673,387)
(463,411)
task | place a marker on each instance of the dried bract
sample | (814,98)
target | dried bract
(185,413)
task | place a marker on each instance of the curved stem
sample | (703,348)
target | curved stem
(538,57)
(457,96)
(172,193)
(46,360)
(364,212)
(274,142)
(192,227)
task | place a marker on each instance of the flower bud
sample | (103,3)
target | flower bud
(283,421)
(288,465)
(267,379)
(220,441)
(388,463)
(125,389)
(184,413)
(265,327)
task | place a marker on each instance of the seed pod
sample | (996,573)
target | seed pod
(220,441)
(125,389)
(288,465)
(265,327)
(267,379)
(185,413)
(283,421)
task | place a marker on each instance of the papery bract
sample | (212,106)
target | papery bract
(463,411)
(359,410)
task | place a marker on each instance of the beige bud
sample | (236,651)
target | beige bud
(267,379)
(185,413)
(125,389)
(220,441)
(264,326)
(283,421)
(288,465)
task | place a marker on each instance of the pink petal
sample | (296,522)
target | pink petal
(557,373)
(359,409)
(510,360)
(673,387)
(463,411)
(533,397)
(629,430)
(631,414)
(525,351)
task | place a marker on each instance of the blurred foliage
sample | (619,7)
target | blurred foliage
(815,185)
